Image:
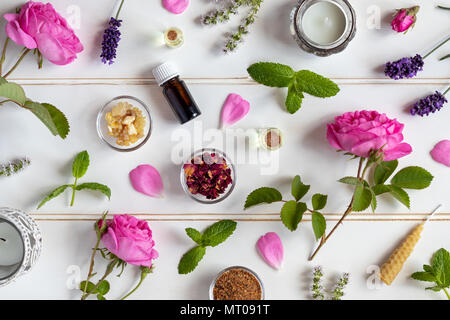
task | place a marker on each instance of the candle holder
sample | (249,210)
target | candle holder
(30,248)
(338,19)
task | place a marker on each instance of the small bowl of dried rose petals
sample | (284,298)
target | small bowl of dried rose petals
(124,123)
(208,176)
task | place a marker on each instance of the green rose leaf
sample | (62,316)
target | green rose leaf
(80,164)
(314,84)
(384,170)
(195,235)
(3,80)
(319,224)
(262,195)
(190,260)
(95,187)
(292,213)
(100,297)
(373,204)
(350,180)
(362,198)
(218,233)
(59,120)
(319,201)
(293,100)
(271,74)
(54,194)
(298,189)
(103,287)
(12,91)
(400,194)
(380,189)
(42,113)
(412,178)
(90,287)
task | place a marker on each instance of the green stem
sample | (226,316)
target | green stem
(17,63)
(446,292)
(437,47)
(442,7)
(73,193)
(2,59)
(143,276)
(91,265)
(108,271)
(120,9)
(444,57)
(445,92)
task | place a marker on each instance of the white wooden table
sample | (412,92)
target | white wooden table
(80,89)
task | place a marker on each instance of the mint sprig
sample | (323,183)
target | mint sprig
(214,235)
(304,81)
(292,211)
(79,168)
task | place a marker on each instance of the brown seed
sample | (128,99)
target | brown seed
(237,284)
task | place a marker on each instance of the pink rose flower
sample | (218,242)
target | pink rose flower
(404,19)
(361,132)
(39,26)
(130,239)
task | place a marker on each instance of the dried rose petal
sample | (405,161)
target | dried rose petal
(147,180)
(234,109)
(271,249)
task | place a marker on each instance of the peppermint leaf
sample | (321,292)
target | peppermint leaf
(95,187)
(190,260)
(59,120)
(54,194)
(80,164)
(42,114)
(441,267)
(412,178)
(292,213)
(319,224)
(195,235)
(362,198)
(293,100)
(400,194)
(315,85)
(298,189)
(423,276)
(271,74)
(319,201)
(384,170)
(262,195)
(12,91)
(218,233)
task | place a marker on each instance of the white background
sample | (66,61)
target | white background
(81,88)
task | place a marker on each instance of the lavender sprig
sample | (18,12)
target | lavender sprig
(338,291)
(111,38)
(14,167)
(317,289)
(430,104)
(404,68)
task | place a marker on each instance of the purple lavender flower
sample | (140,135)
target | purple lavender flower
(111,39)
(432,103)
(404,68)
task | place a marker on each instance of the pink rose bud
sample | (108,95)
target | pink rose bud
(405,19)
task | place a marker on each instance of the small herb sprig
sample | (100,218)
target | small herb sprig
(293,210)
(79,168)
(438,272)
(304,81)
(317,290)
(14,167)
(212,237)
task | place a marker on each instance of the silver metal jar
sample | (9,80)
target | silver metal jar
(32,244)
(318,49)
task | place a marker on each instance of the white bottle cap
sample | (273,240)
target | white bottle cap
(165,72)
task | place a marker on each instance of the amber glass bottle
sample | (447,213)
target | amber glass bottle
(176,92)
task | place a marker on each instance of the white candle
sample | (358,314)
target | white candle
(324,22)
(11,245)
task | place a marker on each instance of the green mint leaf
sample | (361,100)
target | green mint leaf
(54,194)
(441,267)
(319,201)
(315,85)
(190,260)
(95,187)
(293,100)
(435,288)
(195,235)
(262,195)
(380,189)
(319,224)
(13,91)
(80,164)
(271,74)
(59,119)
(384,170)
(218,233)
(400,194)
(103,287)
(42,114)
(292,214)
(412,178)
(90,287)
(350,180)
(298,189)
(423,276)
(362,198)
(428,268)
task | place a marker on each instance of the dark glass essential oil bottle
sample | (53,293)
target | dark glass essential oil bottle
(176,92)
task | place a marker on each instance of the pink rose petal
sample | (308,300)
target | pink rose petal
(271,248)
(147,180)
(234,109)
(176,6)
(441,152)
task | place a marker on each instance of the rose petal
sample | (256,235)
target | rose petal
(147,180)
(176,6)
(234,109)
(271,249)
(441,152)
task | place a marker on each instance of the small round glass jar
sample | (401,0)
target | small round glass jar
(199,197)
(31,238)
(213,283)
(270,139)
(173,37)
(314,47)
(102,124)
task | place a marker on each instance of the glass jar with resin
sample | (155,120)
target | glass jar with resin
(270,139)
(323,27)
